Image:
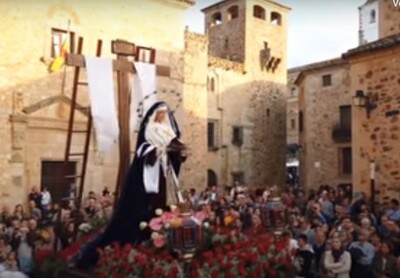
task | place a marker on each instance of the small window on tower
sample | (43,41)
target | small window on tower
(293,92)
(301,121)
(216,19)
(372,16)
(212,85)
(237,136)
(293,124)
(233,12)
(226,44)
(212,134)
(259,12)
(276,18)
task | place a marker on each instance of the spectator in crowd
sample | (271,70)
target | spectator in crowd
(367,251)
(319,248)
(35,196)
(45,200)
(394,212)
(304,259)
(337,261)
(384,263)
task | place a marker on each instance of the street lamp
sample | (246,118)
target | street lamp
(365,101)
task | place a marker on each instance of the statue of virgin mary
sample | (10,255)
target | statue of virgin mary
(152,182)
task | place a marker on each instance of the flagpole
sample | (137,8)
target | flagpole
(65,68)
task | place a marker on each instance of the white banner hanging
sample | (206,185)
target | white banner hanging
(102,102)
(144,85)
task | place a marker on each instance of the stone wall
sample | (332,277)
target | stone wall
(28,139)
(195,107)
(239,101)
(319,156)
(389,18)
(377,138)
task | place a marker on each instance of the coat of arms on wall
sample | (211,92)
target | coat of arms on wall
(268,62)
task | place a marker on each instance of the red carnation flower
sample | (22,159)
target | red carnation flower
(231,255)
(158,272)
(147,274)
(100,274)
(127,248)
(242,269)
(228,248)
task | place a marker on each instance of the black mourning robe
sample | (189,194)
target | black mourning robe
(135,204)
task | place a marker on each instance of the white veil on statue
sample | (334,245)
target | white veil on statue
(159,134)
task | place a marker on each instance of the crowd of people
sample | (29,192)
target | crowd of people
(47,225)
(330,233)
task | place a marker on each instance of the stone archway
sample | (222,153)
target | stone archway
(212,179)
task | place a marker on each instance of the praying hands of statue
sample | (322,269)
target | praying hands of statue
(176,147)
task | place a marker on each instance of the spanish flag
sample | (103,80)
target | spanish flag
(59,61)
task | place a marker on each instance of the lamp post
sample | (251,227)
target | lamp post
(367,101)
(372,182)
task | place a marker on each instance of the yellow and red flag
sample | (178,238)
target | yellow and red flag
(59,61)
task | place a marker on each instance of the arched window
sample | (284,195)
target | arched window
(212,84)
(276,18)
(212,179)
(372,16)
(259,12)
(216,19)
(233,12)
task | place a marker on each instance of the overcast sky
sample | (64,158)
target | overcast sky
(318,29)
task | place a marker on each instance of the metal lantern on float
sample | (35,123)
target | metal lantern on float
(185,237)
(273,214)
(277,212)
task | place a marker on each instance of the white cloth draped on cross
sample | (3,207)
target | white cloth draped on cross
(102,98)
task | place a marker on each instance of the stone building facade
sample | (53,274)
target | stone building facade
(374,69)
(325,123)
(34,110)
(246,92)
(326,143)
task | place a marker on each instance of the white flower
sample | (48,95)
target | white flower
(159,212)
(173,207)
(206,225)
(154,235)
(167,225)
(143,225)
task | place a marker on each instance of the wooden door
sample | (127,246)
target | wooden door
(53,177)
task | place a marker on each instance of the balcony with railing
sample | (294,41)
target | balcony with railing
(341,134)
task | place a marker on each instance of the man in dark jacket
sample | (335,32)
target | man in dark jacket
(304,259)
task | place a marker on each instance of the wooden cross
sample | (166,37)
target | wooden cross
(124,67)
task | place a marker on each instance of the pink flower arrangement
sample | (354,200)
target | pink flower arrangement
(164,221)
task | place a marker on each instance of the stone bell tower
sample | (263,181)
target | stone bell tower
(253,32)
